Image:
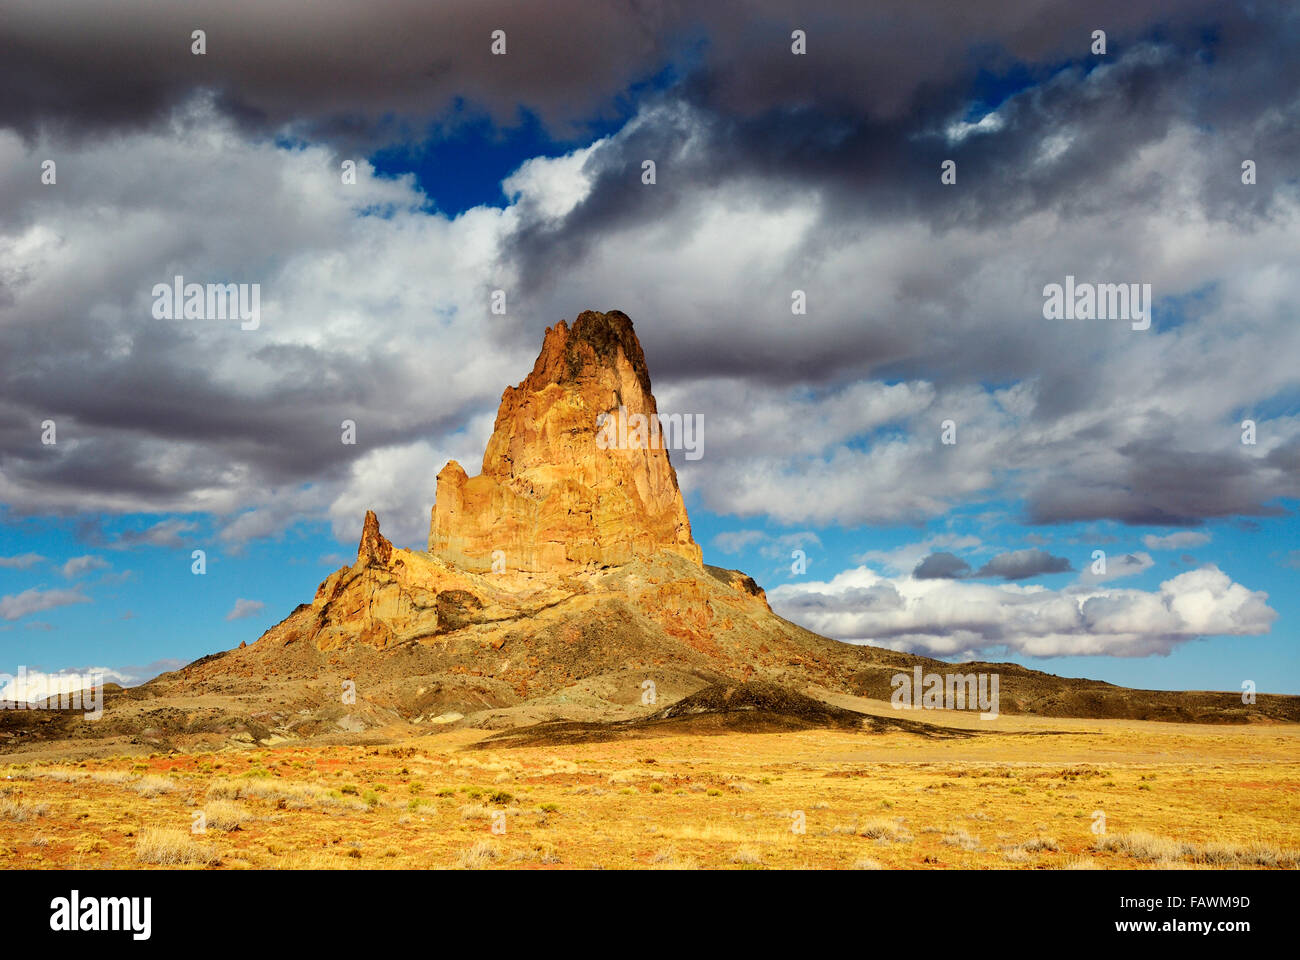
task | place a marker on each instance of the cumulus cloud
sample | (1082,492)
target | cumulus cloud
(77,566)
(1117,567)
(734,541)
(14,606)
(245,608)
(947,618)
(21,561)
(399,484)
(905,558)
(1181,540)
(33,685)
(768,545)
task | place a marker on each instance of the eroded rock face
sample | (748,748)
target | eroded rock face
(549,497)
(374,545)
(388,596)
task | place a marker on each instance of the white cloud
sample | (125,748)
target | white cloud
(768,545)
(734,541)
(550,187)
(245,608)
(14,606)
(958,131)
(31,685)
(973,620)
(34,686)
(905,558)
(22,561)
(164,533)
(77,566)
(399,484)
(1118,566)
(1181,540)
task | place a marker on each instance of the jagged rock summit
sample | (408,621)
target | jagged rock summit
(374,545)
(550,497)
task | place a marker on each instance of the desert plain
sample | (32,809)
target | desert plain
(1079,794)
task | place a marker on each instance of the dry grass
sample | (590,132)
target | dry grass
(115,778)
(153,786)
(291,795)
(1148,847)
(1041,845)
(20,811)
(224,815)
(1141,845)
(960,838)
(477,857)
(884,831)
(1253,854)
(60,774)
(223,790)
(172,848)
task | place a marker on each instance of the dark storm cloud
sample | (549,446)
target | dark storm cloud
(1023,564)
(342,69)
(112,433)
(1162,485)
(941,566)
(327,67)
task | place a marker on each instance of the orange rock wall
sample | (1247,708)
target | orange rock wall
(548,496)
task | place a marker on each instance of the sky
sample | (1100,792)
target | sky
(824,472)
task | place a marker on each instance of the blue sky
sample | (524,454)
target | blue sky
(776,173)
(146,607)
